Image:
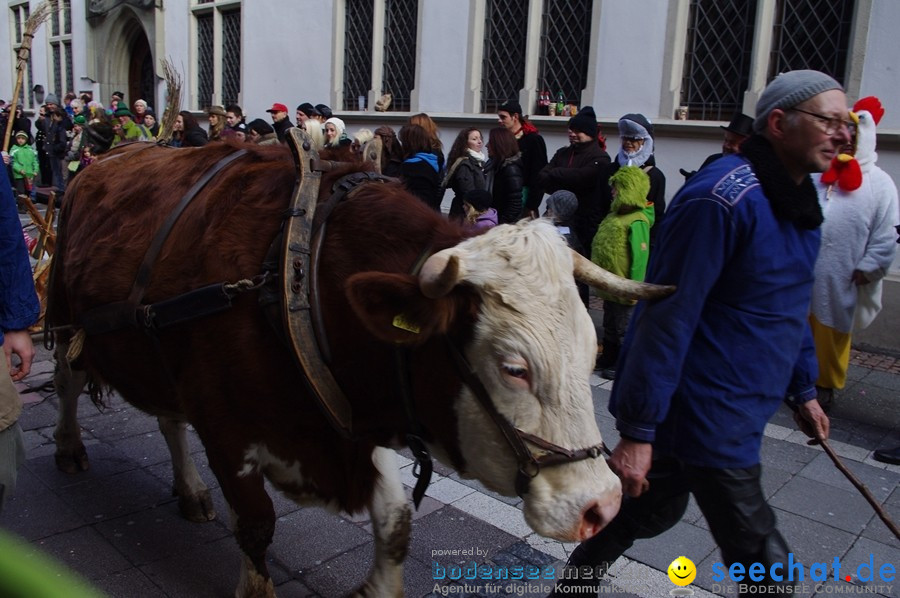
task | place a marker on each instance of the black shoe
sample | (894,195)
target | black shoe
(609,373)
(891,456)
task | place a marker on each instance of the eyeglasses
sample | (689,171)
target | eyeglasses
(632,139)
(831,124)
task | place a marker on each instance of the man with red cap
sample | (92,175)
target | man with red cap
(280,121)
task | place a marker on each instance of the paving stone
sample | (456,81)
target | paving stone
(820,502)
(880,554)
(38,416)
(105,461)
(682,539)
(772,480)
(785,456)
(39,515)
(879,481)
(113,496)
(211,571)
(311,536)
(878,530)
(812,541)
(451,529)
(84,550)
(131,583)
(152,535)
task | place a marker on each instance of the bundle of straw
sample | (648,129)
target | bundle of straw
(173,100)
(40,14)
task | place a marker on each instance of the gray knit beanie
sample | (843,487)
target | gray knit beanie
(789,89)
(563,203)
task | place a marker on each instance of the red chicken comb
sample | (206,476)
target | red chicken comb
(872,105)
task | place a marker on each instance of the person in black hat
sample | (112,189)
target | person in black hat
(324,112)
(578,168)
(533,149)
(305,111)
(740,127)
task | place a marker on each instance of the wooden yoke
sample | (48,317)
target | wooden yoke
(295,276)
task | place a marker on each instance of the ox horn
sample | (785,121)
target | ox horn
(440,273)
(591,274)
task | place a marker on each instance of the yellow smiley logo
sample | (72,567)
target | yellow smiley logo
(682,571)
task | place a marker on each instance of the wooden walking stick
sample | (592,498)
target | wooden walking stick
(876,506)
(41,13)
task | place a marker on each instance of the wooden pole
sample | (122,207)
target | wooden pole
(21,63)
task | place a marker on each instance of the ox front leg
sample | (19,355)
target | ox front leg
(194,500)
(391,516)
(71,457)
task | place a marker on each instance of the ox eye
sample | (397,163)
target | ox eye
(515,371)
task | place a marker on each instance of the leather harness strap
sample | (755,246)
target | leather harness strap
(130,312)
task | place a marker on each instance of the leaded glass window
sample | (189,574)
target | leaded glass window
(205,52)
(20,14)
(218,52)
(812,34)
(565,48)
(400,26)
(231,56)
(60,41)
(717,57)
(359,23)
(503,68)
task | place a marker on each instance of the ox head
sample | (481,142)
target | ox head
(532,347)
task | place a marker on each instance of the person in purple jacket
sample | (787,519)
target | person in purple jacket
(702,370)
(19,309)
(477,208)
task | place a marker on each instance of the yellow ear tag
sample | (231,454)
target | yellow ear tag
(402,323)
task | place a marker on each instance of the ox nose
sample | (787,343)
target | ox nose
(598,514)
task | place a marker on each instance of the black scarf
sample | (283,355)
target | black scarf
(795,203)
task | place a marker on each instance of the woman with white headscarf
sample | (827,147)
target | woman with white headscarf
(636,149)
(334,133)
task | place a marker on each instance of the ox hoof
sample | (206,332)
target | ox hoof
(198,507)
(74,461)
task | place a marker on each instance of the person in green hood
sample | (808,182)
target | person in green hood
(622,246)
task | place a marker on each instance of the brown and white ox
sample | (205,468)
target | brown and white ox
(510,303)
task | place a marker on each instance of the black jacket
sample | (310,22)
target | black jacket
(505,180)
(579,168)
(195,137)
(534,158)
(281,127)
(466,176)
(423,181)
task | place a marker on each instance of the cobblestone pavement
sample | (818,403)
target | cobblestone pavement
(118,526)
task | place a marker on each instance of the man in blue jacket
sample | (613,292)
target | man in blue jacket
(19,309)
(704,369)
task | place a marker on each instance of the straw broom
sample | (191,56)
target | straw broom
(173,101)
(41,13)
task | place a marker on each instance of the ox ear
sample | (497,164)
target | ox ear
(393,308)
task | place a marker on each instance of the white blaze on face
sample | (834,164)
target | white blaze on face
(534,350)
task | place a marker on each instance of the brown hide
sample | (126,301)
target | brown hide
(228,374)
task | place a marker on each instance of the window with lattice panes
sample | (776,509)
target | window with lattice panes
(718,65)
(811,34)
(565,49)
(359,17)
(18,15)
(503,61)
(717,59)
(60,40)
(399,72)
(217,47)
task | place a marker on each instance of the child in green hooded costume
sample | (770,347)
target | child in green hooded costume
(622,246)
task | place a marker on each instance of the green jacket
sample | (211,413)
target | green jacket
(24,161)
(622,242)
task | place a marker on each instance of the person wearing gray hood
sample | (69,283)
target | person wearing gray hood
(636,149)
